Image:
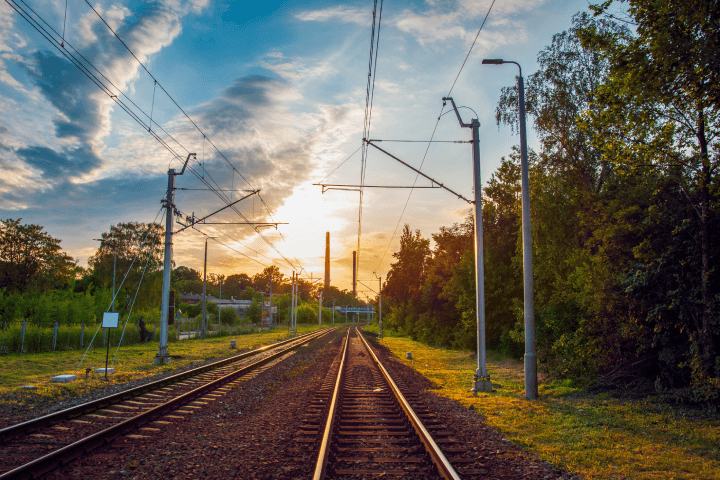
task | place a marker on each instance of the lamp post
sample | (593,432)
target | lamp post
(202,328)
(531,387)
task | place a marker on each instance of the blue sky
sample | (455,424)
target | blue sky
(279,88)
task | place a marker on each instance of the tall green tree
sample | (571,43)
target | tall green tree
(131,241)
(32,259)
(404,283)
(659,108)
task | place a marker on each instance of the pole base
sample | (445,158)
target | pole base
(162,359)
(531,383)
(481,384)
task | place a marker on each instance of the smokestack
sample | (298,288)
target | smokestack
(355,274)
(327,260)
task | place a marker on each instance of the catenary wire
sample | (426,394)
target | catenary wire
(159,84)
(433,135)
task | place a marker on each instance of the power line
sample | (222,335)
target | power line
(343,163)
(369,97)
(205,137)
(433,134)
(470,50)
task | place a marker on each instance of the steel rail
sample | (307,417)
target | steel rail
(445,468)
(68,453)
(8,433)
(325,445)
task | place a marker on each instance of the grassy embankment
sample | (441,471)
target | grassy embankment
(133,362)
(595,435)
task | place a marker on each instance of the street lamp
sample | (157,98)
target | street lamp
(531,387)
(202,329)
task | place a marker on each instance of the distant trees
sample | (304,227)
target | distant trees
(31,259)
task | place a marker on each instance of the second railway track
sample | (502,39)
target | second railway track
(42,444)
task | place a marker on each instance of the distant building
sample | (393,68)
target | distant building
(239,305)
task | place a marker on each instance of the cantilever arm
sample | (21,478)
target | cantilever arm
(466,125)
(418,172)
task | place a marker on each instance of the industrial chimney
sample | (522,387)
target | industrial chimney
(355,274)
(327,260)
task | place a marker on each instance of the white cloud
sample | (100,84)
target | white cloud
(341,14)
(430,28)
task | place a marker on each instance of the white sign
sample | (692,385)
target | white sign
(110,319)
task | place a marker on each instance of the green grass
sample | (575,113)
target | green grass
(595,435)
(133,362)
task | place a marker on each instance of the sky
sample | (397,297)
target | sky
(268,95)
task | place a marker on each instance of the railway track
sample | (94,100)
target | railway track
(370,427)
(35,447)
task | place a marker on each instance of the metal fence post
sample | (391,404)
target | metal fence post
(82,334)
(55,332)
(22,336)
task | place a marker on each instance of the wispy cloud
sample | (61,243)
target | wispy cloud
(340,14)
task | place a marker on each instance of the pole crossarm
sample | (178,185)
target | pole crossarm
(369,142)
(457,113)
(193,221)
(361,283)
(257,224)
(421,141)
(354,188)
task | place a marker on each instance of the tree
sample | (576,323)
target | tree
(659,108)
(182,273)
(253,313)
(405,279)
(261,281)
(560,91)
(136,245)
(229,316)
(237,283)
(32,259)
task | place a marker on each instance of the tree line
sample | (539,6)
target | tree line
(625,220)
(42,284)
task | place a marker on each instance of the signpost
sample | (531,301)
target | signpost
(110,320)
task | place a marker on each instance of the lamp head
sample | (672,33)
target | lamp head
(493,61)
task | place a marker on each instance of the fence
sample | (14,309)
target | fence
(26,337)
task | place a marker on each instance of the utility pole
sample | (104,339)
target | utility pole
(481,379)
(202,328)
(320,308)
(293,298)
(271,315)
(380,305)
(162,356)
(112,304)
(367,311)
